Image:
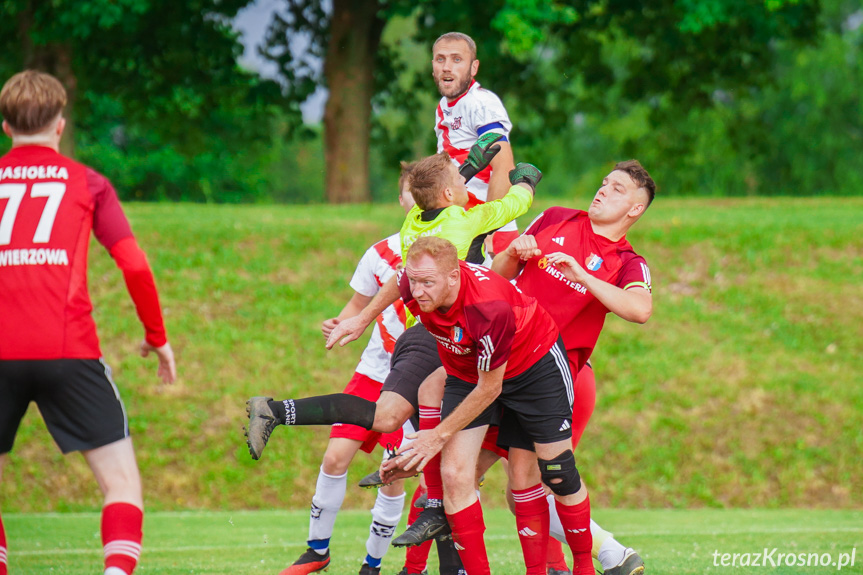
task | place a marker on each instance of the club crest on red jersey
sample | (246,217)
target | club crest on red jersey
(456,123)
(456,334)
(593,262)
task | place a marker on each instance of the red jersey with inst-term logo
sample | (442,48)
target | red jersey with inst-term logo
(578,314)
(491,322)
(48,205)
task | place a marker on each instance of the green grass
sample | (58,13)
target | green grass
(743,390)
(671,541)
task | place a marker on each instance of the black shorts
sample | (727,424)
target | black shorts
(415,357)
(77,398)
(533,407)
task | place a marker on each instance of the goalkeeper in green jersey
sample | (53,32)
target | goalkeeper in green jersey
(440,214)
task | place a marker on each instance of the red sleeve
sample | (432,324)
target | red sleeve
(634,273)
(109,222)
(492,325)
(132,261)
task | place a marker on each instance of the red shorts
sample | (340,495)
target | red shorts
(363,386)
(584,401)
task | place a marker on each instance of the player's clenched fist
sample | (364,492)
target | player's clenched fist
(480,155)
(525,173)
(524,247)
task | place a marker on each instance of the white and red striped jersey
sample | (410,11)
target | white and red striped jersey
(377,265)
(458,124)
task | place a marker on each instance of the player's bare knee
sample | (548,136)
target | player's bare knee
(457,476)
(560,474)
(334,463)
(387,422)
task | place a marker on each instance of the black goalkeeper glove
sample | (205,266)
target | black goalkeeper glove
(525,173)
(480,155)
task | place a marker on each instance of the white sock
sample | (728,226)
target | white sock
(611,553)
(386,515)
(115,571)
(555,527)
(329,495)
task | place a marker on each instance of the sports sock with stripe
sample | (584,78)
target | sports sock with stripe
(329,494)
(429,419)
(122,535)
(386,515)
(576,526)
(468,528)
(416,557)
(325,410)
(3,551)
(531,521)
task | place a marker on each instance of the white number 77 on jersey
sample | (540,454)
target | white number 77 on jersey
(15,193)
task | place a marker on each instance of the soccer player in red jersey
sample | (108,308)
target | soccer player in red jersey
(580,267)
(49,351)
(501,351)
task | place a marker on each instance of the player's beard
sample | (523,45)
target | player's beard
(455,90)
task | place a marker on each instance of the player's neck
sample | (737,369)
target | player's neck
(20,141)
(613,231)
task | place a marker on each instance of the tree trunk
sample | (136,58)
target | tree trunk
(55,59)
(355,33)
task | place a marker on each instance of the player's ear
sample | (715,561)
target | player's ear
(454,276)
(474,68)
(6,129)
(448,195)
(637,209)
(61,125)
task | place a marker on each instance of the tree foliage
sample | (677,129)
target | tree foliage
(550,61)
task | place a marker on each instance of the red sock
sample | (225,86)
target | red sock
(121,535)
(3,558)
(576,524)
(531,520)
(429,419)
(554,558)
(468,528)
(416,556)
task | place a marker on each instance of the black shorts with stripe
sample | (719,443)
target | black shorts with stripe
(78,400)
(415,357)
(533,407)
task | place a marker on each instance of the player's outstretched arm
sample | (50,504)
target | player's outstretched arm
(635,305)
(354,306)
(167,367)
(498,184)
(352,328)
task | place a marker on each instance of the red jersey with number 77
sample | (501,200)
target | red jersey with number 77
(578,314)
(491,322)
(48,206)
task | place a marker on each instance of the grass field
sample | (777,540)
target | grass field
(743,390)
(264,542)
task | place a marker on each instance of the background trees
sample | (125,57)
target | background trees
(716,97)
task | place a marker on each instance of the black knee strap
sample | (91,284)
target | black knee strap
(560,474)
